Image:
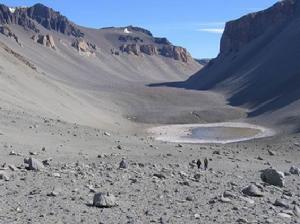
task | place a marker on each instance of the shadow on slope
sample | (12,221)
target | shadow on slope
(264,76)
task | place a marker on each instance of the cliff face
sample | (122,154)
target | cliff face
(40,14)
(258,66)
(240,32)
(135,45)
(169,51)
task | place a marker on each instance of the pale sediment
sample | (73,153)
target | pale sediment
(228,132)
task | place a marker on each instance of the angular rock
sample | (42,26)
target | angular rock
(34,164)
(4,176)
(123,164)
(107,134)
(104,200)
(159,175)
(284,215)
(273,177)
(54,193)
(271,153)
(225,199)
(295,170)
(296,211)
(12,167)
(281,203)
(253,191)
(242,220)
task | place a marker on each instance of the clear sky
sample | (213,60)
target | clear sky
(194,24)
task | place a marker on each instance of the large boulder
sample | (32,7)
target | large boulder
(273,177)
(104,200)
(252,191)
(34,164)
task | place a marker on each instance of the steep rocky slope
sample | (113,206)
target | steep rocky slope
(258,63)
(106,71)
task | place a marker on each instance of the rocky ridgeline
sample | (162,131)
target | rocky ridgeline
(45,40)
(133,42)
(6,31)
(140,30)
(47,17)
(170,51)
(240,32)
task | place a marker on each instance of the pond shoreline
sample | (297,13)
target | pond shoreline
(185,133)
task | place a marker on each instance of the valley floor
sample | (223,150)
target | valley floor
(160,185)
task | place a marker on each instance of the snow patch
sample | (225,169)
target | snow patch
(12,10)
(126,31)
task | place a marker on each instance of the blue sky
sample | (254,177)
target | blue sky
(194,24)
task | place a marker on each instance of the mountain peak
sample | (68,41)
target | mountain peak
(41,14)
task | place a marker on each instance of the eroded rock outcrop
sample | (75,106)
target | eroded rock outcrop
(178,53)
(149,49)
(240,32)
(127,38)
(6,31)
(133,49)
(84,47)
(45,40)
(170,51)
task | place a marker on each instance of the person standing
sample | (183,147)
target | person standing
(205,164)
(199,163)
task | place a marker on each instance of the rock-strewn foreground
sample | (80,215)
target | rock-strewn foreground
(147,181)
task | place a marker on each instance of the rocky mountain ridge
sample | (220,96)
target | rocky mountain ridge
(38,14)
(131,42)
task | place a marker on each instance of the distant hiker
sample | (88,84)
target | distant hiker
(199,163)
(205,163)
